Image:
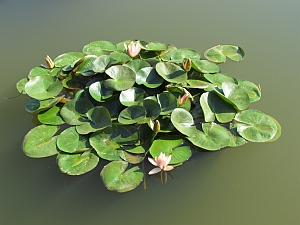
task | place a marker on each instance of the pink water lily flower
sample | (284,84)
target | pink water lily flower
(161,162)
(133,49)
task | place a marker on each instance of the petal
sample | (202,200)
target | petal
(152,161)
(168,168)
(168,159)
(154,171)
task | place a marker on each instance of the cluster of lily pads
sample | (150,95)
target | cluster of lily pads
(139,100)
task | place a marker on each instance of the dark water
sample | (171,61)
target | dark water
(252,184)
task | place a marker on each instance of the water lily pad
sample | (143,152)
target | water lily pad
(132,114)
(38,71)
(164,145)
(180,154)
(252,89)
(86,67)
(131,158)
(167,102)
(183,121)
(213,137)
(122,78)
(77,164)
(137,64)
(98,91)
(156,46)
(70,141)
(21,85)
(125,134)
(70,115)
(171,72)
(99,118)
(105,147)
(34,105)
(51,116)
(177,55)
(43,87)
(119,58)
(152,108)
(39,142)
(101,63)
(234,95)
(99,48)
(254,125)
(132,96)
(149,77)
(218,78)
(213,106)
(68,59)
(205,66)
(219,53)
(117,178)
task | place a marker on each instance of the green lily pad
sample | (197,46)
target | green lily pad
(131,158)
(99,118)
(105,147)
(218,78)
(21,85)
(77,164)
(43,87)
(98,91)
(137,64)
(101,63)
(219,53)
(34,105)
(252,89)
(86,67)
(234,95)
(132,96)
(122,78)
(164,145)
(70,115)
(205,66)
(167,102)
(132,114)
(125,134)
(213,106)
(152,108)
(70,141)
(38,71)
(213,137)
(183,121)
(68,59)
(180,154)
(149,77)
(117,178)
(254,125)
(39,142)
(171,72)
(99,48)
(156,46)
(51,116)
(119,58)
(177,55)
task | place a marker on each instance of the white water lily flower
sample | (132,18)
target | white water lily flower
(133,49)
(161,162)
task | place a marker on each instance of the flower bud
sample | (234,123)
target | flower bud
(133,49)
(187,64)
(49,62)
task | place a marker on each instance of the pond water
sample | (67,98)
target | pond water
(252,184)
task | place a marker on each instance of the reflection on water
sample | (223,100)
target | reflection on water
(252,184)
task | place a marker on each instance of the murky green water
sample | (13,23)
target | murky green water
(252,184)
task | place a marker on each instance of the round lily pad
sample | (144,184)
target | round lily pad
(171,72)
(77,164)
(132,96)
(254,125)
(117,178)
(43,87)
(39,142)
